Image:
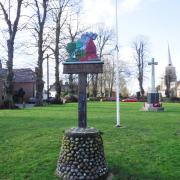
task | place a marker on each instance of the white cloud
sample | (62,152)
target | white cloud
(103,11)
(126,54)
(98,11)
(129,5)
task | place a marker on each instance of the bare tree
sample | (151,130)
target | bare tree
(61,10)
(74,29)
(37,23)
(108,76)
(123,86)
(105,36)
(12,30)
(59,19)
(140,55)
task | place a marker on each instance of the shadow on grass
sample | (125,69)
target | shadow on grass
(120,173)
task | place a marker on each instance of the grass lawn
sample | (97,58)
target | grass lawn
(148,147)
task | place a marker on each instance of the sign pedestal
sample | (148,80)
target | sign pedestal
(82,152)
(82,155)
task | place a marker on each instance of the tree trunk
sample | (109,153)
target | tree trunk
(140,79)
(12,30)
(111,85)
(57,81)
(71,89)
(167,82)
(94,84)
(101,85)
(57,84)
(10,75)
(39,69)
(56,54)
(39,72)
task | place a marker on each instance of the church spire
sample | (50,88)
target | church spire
(169,57)
(0,64)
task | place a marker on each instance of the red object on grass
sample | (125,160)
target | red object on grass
(130,100)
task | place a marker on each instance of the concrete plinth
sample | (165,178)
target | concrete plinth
(82,155)
(151,107)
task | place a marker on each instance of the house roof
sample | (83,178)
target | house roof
(178,83)
(24,75)
(21,75)
(3,72)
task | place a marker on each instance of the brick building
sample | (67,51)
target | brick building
(23,78)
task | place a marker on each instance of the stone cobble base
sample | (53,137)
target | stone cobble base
(82,155)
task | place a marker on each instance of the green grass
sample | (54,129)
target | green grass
(148,147)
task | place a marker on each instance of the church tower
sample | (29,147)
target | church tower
(170,76)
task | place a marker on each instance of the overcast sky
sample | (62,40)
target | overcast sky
(158,20)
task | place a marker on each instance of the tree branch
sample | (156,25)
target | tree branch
(6,18)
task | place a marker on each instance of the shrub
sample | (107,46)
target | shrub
(94,98)
(53,100)
(175,99)
(5,105)
(171,99)
(71,98)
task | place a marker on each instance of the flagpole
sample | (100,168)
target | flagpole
(117,73)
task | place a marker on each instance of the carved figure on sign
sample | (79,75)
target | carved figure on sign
(83,49)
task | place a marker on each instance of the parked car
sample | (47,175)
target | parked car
(130,100)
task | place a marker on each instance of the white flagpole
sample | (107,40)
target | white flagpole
(117,72)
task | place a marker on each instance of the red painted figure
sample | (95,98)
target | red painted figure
(90,51)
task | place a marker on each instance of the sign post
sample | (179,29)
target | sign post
(82,152)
